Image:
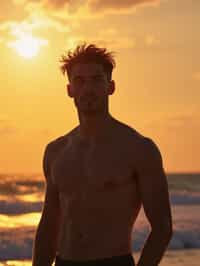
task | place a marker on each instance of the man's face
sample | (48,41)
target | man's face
(90,87)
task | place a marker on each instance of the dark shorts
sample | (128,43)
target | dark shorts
(122,260)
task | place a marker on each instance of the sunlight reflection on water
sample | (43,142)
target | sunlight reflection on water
(13,221)
(16,263)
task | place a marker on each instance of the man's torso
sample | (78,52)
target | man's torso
(98,194)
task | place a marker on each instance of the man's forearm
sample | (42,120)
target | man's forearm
(154,248)
(44,249)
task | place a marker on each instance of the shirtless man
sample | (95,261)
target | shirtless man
(97,178)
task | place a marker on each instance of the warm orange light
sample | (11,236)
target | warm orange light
(14,221)
(28,46)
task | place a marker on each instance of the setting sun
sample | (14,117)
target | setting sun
(28,46)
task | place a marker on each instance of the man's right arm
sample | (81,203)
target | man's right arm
(45,244)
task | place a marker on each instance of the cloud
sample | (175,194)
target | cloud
(61,15)
(99,5)
(30,26)
(68,6)
(105,38)
(34,15)
(85,8)
(35,22)
(110,38)
(58,3)
(64,16)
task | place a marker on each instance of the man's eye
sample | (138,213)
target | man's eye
(93,79)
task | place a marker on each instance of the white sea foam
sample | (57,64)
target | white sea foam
(186,229)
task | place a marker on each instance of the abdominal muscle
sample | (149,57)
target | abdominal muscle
(98,225)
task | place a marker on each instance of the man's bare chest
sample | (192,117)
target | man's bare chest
(81,168)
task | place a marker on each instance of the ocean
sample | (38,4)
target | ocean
(21,199)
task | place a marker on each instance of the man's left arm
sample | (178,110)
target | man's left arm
(153,189)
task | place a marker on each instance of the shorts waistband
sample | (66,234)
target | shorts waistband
(121,260)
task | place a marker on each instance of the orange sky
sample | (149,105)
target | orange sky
(157,74)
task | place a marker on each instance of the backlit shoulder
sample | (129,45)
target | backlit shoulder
(149,155)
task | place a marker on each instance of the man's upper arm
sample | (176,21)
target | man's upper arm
(153,187)
(51,202)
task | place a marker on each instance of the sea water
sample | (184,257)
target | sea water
(21,199)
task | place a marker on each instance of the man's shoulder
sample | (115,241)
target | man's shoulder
(60,142)
(149,154)
(132,133)
(144,144)
(146,152)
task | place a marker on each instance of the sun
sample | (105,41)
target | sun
(28,46)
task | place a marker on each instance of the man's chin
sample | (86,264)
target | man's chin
(90,111)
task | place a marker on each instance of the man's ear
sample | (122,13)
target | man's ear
(69,90)
(111,87)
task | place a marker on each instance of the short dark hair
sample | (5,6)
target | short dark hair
(90,53)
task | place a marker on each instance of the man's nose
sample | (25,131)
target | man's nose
(88,85)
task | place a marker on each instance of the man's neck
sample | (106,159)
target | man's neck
(94,127)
